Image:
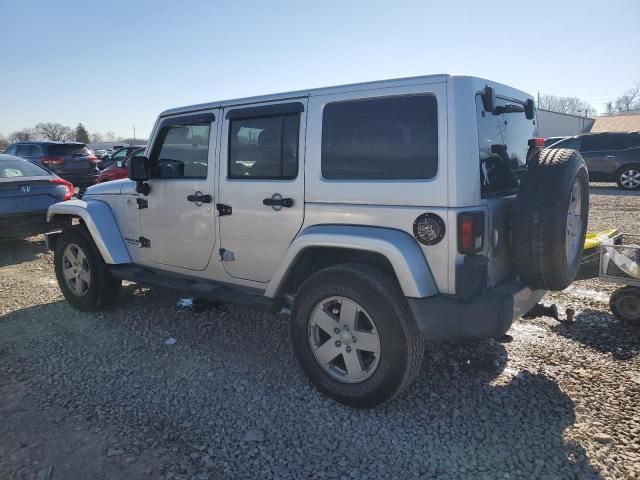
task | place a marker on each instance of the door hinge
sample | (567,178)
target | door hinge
(144,242)
(226,255)
(142,203)
(223,210)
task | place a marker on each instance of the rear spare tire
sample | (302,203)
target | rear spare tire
(549,220)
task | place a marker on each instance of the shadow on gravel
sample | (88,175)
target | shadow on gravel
(614,191)
(603,332)
(13,252)
(227,400)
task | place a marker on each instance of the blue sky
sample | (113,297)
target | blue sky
(113,64)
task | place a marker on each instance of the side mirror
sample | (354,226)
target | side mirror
(489,99)
(529,109)
(138,168)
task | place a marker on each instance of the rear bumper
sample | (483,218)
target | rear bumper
(488,315)
(81,179)
(21,225)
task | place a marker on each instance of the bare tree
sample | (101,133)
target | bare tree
(609,108)
(110,136)
(4,143)
(568,105)
(96,137)
(23,135)
(54,131)
(629,100)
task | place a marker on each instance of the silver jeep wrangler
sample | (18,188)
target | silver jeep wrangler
(379,214)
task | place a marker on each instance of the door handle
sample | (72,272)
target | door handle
(610,156)
(278,201)
(199,197)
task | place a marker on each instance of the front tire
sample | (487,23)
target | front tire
(354,336)
(82,274)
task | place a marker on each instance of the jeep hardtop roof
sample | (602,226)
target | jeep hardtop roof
(438,78)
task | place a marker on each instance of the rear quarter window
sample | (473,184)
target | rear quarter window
(70,149)
(388,138)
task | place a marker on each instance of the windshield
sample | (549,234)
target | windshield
(503,144)
(68,149)
(20,168)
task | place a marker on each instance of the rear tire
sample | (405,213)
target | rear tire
(549,221)
(82,274)
(320,314)
(625,304)
(628,177)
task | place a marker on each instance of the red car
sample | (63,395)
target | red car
(117,170)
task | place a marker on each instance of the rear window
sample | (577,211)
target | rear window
(20,168)
(503,144)
(68,149)
(386,138)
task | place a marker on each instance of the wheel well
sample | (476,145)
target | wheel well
(627,165)
(315,259)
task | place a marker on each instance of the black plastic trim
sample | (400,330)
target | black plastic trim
(265,110)
(206,117)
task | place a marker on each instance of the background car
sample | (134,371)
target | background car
(551,140)
(118,155)
(26,191)
(101,153)
(610,157)
(70,160)
(119,169)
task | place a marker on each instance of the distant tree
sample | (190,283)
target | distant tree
(609,108)
(110,136)
(629,100)
(96,137)
(54,131)
(81,134)
(4,143)
(568,105)
(23,135)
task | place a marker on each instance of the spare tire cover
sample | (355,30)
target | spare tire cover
(549,219)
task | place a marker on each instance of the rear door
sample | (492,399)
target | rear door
(261,186)
(600,151)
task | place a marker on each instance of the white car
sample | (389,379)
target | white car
(379,214)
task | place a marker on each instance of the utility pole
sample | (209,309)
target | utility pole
(134,132)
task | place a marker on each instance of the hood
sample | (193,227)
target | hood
(107,188)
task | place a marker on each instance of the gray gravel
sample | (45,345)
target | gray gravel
(104,395)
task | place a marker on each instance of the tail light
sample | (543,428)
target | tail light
(50,161)
(93,159)
(536,142)
(68,185)
(470,232)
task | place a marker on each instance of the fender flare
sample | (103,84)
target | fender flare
(402,251)
(101,224)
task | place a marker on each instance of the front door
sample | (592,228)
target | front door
(177,218)
(261,186)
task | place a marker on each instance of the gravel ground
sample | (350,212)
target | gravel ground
(104,396)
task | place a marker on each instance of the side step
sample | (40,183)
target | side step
(196,287)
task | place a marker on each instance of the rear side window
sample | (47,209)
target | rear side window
(596,143)
(390,138)
(25,150)
(264,147)
(20,168)
(65,150)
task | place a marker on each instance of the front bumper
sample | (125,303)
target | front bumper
(489,315)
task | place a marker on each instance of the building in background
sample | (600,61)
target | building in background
(625,122)
(554,124)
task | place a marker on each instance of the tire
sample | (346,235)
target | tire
(625,304)
(546,246)
(628,177)
(101,290)
(378,302)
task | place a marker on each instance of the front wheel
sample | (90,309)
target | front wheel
(629,177)
(82,274)
(353,335)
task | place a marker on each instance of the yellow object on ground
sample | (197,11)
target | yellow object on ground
(595,239)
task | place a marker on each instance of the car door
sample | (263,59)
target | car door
(177,218)
(599,152)
(261,202)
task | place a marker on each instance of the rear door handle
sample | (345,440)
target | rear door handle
(199,198)
(278,201)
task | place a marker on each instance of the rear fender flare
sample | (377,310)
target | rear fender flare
(101,224)
(402,251)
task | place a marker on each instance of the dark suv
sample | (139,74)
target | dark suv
(72,161)
(610,157)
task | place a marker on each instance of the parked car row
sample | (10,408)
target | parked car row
(610,157)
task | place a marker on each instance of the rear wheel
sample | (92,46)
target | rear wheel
(353,335)
(629,177)
(625,304)
(83,277)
